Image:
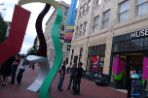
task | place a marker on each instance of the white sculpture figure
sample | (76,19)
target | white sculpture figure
(43,71)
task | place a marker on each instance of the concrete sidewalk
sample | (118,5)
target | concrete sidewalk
(20,91)
(88,89)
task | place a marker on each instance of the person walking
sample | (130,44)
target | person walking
(61,78)
(72,76)
(21,68)
(77,79)
(14,68)
(5,70)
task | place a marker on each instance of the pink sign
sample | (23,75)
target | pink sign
(145,69)
(118,65)
(115,65)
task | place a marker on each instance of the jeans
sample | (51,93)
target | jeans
(60,83)
(20,75)
(77,83)
(14,68)
(70,82)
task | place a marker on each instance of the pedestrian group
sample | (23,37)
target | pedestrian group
(14,67)
(76,73)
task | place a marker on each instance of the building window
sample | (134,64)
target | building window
(77,32)
(129,45)
(98,2)
(61,36)
(61,45)
(80,13)
(83,10)
(71,57)
(66,11)
(84,28)
(62,27)
(68,47)
(96,23)
(88,6)
(105,21)
(80,30)
(85,7)
(75,37)
(80,55)
(123,11)
(142,7)
(146,43)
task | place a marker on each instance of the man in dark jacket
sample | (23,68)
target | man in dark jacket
(62,75)
(14,68)
(77,80)
(5,70)
(72,75)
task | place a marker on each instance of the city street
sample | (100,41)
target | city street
(88,89)
(106,39)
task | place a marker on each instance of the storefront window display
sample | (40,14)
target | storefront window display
(119,71)
(96,59)
(94,63)
(95,68)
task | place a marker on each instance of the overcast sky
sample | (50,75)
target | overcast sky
(7,7)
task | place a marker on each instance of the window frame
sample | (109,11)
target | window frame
(138,5)
(84,27)
(124,12)
(96,23)
(106,20)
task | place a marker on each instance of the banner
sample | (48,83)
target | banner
(145,69)
(117,66)
(68,33)
(71,16)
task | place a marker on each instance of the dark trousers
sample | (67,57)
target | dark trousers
(77,83)
(14,68)
(20,75)
(129,89)
(60,83)
(70,82)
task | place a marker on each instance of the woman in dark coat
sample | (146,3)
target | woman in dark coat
(5,70)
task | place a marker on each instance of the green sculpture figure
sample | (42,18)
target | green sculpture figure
(58,58)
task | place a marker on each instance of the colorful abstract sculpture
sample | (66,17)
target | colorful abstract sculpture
(42,51)
(45,88)
(58,58)
(41,56)
(18,27)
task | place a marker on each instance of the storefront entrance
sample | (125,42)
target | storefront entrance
(129,57)
(131,72)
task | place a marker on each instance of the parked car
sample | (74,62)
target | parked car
(91,75)
(102,80)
